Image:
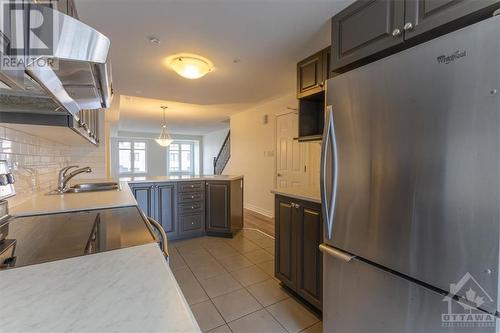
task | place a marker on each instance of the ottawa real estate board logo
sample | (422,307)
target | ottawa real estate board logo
(468,312)
(28,34)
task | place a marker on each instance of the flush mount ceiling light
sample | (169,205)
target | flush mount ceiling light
(189,66)
(164,139)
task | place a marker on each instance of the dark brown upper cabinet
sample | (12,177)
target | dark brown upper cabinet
(425,15)
(365,28)
(368,30)
(312,73)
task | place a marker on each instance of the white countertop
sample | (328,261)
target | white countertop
(152,179)
(127,290)
(301,193)
(44,203)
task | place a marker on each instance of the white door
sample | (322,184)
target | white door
(291,163)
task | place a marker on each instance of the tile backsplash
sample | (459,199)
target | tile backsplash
(35,161)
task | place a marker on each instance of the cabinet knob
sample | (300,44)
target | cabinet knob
(192,197)
(192,207)
(297,206)
(408,26)
(293,205)
(396,33)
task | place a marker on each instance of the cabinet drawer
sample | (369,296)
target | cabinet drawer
(191,186)
(192,207)
(191,196)
(191,222)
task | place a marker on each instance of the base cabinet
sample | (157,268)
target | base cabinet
(299,232)
(193,208)
(158,201)
(166,207)
(224,207)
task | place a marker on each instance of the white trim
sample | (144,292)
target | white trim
(260,211)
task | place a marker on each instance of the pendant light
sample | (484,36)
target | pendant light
(164,139)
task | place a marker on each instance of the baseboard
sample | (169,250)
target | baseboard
(260,211)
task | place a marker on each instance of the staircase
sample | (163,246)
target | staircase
(223,157)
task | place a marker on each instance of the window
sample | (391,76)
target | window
(132,157)
(180,159)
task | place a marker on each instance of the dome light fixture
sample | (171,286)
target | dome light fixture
(164,139)
(190,66)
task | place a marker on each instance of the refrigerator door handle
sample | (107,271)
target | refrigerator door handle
(337,254)
(328,206)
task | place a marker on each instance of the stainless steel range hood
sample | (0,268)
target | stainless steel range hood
(77,77)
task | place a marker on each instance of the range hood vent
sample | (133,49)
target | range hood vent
(78,79)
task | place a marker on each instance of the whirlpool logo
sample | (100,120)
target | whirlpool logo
(446,59)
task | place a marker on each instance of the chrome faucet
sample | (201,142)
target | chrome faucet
(64,178)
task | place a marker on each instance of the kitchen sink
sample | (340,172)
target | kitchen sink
(92,187)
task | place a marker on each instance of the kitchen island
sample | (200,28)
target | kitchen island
(126,290)
(190,206)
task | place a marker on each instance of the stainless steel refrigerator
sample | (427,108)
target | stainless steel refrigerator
(411,189)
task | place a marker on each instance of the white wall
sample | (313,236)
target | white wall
(253,146)
(212,143)
(253,152)
(156,155)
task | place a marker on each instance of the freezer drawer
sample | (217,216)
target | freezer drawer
(359,297)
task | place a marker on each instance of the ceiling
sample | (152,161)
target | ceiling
(254,45)
(144,115)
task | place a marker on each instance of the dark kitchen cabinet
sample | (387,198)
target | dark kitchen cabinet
(285,242)
(365,28)
(191,207)
(224,207)
(425,15)
(309,258)
(157,200)
(368,30)
(298,262)
(310,73)
(145,196)
(165,213)
(179,206)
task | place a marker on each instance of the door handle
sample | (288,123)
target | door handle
(163,241)
(337,254)
(329,138)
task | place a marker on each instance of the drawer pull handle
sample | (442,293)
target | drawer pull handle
(192,197)
(192,207)
(192,186)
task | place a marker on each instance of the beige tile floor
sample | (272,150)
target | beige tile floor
(230,286)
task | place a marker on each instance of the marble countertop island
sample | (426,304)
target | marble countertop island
(127,290)
(152,179)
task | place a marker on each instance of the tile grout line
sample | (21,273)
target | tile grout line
(259,247)
(209,297)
